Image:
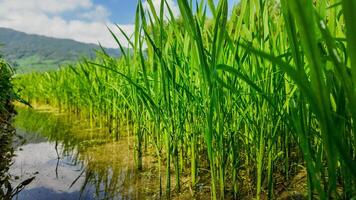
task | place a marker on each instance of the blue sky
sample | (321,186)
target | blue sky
(123,11)
(81,20)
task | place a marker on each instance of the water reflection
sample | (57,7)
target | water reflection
(53,176)
(51,154)
(71,161)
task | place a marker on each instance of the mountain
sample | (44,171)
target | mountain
(28,52)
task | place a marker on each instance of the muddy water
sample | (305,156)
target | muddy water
(70,161)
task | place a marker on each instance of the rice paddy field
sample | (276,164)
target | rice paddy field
(256,103)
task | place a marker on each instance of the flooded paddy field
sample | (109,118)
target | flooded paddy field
(71,161)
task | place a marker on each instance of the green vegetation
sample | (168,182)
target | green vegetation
(29,53)
(6,90)
(7,132)
(37,64)
(256,97)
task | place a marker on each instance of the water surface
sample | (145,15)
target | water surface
(71,161)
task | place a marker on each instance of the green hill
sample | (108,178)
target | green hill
(28,52)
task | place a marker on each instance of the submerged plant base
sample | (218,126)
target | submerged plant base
(76,161)
(105,168)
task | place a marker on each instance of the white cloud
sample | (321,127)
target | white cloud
(48,6)
(99,13)
(45,17)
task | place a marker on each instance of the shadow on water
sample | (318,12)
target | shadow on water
(6,154)
(71,161)
(7,134)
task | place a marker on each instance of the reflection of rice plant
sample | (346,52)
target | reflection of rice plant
(57,129)
(259,92)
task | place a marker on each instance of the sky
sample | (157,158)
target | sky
(80,20)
